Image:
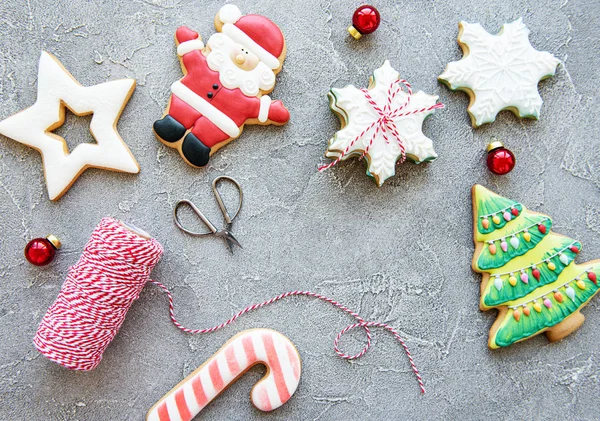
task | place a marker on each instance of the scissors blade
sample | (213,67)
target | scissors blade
(229,239)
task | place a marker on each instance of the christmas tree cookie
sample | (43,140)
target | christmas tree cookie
(529,273)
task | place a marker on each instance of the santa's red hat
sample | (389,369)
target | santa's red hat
(255,32)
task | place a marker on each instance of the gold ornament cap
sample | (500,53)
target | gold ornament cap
(494,145)
(354,32)
(54,241)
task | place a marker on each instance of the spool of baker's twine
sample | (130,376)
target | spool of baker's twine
(110,274)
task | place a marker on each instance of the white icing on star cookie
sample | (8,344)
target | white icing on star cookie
(357,114)
(58,89)
(499,72)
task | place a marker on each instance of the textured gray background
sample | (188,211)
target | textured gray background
(399,254)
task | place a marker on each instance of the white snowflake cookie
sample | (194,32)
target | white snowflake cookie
(499,72)
(383,124)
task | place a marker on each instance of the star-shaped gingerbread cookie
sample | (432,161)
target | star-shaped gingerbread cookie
(499,72)
(58,89)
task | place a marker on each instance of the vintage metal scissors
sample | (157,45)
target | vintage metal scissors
(225,232)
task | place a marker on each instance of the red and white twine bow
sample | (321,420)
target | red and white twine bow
(109,276)
(360,323)
(385,123)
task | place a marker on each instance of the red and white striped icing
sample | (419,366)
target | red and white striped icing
(250,347)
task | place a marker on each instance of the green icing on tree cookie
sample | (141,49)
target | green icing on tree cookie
(494,212)
(530,274)
(552,312)
(500,247)
(518,282)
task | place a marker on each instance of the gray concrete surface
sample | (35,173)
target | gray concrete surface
(399,254)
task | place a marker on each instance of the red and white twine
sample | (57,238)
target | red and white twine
(94,299)
(109,276)
(361,323)
(386,123)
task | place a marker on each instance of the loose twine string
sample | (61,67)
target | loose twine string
(109,276)
(386,122)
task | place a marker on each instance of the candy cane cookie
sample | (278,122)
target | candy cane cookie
(238,355)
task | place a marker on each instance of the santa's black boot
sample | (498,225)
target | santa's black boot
(196,152)
(169,129)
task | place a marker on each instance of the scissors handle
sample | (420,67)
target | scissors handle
(210,226)
(215,183)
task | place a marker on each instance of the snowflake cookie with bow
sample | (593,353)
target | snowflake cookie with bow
(499,72)
(382,124)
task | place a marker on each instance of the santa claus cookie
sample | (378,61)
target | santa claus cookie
(224,85)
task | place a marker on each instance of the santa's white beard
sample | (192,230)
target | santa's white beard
(261,78)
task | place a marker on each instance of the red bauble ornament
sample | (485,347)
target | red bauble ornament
(41,251)
(500,160)
(365,20)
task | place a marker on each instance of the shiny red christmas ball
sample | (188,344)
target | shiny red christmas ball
(500,160)
(365,20)
(41,251)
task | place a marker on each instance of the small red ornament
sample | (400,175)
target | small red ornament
(41,251)
(365,20)
(574,249)
(542,228)
(515,211)
(500,160)
(592,276)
